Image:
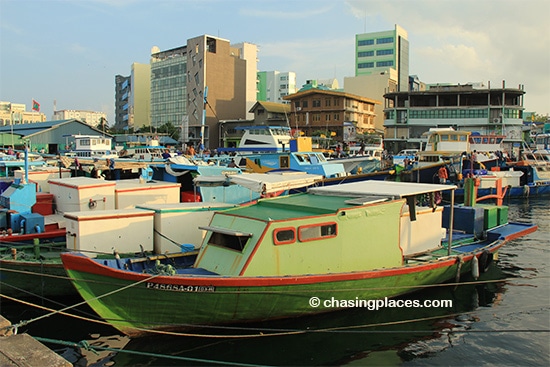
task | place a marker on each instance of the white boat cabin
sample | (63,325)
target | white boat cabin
(91,146)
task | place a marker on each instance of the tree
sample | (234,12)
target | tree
(169,129)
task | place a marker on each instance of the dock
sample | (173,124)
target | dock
(22,350)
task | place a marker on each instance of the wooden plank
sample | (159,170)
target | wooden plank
(23,350)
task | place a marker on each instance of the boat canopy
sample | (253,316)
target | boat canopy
(375,187)
(262,182)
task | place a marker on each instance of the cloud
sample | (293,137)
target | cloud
(288,13)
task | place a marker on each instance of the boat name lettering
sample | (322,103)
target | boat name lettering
(181,288)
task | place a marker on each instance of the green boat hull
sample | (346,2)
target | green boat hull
(24,279)
(154,305)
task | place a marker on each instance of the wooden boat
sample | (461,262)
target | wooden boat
(272,148)
(30,264)
(330,248)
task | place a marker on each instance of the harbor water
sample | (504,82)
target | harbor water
(502,318)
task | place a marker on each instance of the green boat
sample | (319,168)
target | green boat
(334,247)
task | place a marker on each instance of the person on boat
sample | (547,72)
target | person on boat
(443,175)
(191,150)
(361,148)
(338,151)
(166,154)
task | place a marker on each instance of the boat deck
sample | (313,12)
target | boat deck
(293,206)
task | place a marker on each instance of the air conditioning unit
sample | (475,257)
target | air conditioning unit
(496,120)
(298,108)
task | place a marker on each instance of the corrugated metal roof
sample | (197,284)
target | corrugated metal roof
(38,127)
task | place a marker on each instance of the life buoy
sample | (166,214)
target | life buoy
(485,260)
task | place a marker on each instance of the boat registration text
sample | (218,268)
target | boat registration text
(181,288)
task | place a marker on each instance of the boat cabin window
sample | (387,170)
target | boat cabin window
(230,241)
(284,161)
(429,158)
(284,236)
(317,231)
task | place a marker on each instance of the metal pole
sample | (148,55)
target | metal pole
(451,220)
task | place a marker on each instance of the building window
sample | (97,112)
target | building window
(327,117)
(380,41)
(336,116)
(365,42)
(384,63)
(365,54)
(304,104)
(365,65)
(316,103)
(384,52)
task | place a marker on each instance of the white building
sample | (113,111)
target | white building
(272,86)
(92,118)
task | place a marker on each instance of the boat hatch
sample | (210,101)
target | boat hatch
(226,231)
(228,238)
(367,200)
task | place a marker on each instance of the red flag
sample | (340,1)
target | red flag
(35,106)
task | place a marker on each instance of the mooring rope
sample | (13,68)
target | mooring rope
(261,332)
(23,323)
(85,345)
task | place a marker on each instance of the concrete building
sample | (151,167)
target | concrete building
(133,97)
(16,113)
(380,52)
(330,111)
(91,118)
(381,66)
(207,76)
(374,87)
(471,107)
(272,86)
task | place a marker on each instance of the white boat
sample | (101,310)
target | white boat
(92,147)
(148,152)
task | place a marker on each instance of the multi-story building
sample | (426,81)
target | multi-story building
(470,107)
(322,109)
(16,113)
(168,86)
(197,85)
(373,86)
(381,66)
(91,118)
(122,101)
(272,86)
(132,98)
(380,52)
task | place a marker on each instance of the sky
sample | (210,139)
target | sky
(68,52)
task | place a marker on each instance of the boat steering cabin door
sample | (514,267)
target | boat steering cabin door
(411,202)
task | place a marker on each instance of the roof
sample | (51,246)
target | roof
(328,92)
(375,187)
(38,127)
(272,107)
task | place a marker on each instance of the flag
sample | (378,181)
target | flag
(35,106)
